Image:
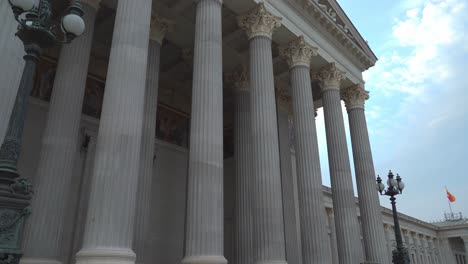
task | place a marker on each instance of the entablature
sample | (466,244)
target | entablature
(307,18)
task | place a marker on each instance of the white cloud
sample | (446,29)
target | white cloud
(418,49)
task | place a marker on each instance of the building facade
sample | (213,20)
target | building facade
(163,134)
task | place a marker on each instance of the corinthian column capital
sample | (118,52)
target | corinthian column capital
(329,77)
(259,22)
(159,28)
(239,79)
(298,52)
(283,98)
(354,96)
(93,3)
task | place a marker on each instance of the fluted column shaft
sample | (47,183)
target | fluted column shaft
(465,241)
(298,54)
(422,256)
(243,178)
(205,215)
(334,249)
(308,170)
(11,64)
(268,227)
(347,231)
(268,209)
(388,241)
(141,246)
(371,213)
(288,184)
(448,256)
(84,191)
(416,250)
(111,213)
(59,149)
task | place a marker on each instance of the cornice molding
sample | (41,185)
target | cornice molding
(259,22)
(298,52)
(327,20)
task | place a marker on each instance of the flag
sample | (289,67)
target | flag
(450,196)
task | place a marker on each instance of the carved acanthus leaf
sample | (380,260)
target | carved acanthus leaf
(239,79)
(159,28)
(259,22)
(298,52)
(329,77)
(283,98)
(354,96)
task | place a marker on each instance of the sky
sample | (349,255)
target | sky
(417,113)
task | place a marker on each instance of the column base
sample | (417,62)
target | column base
(204,260)
(106,256)
(25,260)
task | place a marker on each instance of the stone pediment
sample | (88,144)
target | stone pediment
(331,16)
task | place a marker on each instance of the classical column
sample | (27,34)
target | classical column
(405,234)
(369,205)
(430,250)
(111,212)
(269,245)
(59,148)
(419,248)
(388,241)
(288,180)
(205,215)
(85,185)
(334,249)
(465,241)
(309,179)
(347,231)
(11,64)
(243,169)
(435,250)
(427,249)
(414,237)
(159,28)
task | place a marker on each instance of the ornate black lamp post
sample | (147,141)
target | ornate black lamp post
(395,187)
(37,31)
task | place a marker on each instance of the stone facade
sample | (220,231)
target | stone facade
(173,160)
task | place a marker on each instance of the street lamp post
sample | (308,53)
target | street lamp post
(37,31)
(395,187)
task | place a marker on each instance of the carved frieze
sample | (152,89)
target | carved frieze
(328,18)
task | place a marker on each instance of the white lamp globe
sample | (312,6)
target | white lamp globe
(380,187)
(73,24)
(391,182)
(26,5)
(401,186)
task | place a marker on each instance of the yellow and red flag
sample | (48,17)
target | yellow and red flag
(450,196)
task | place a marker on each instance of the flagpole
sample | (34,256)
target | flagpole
(451,212)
